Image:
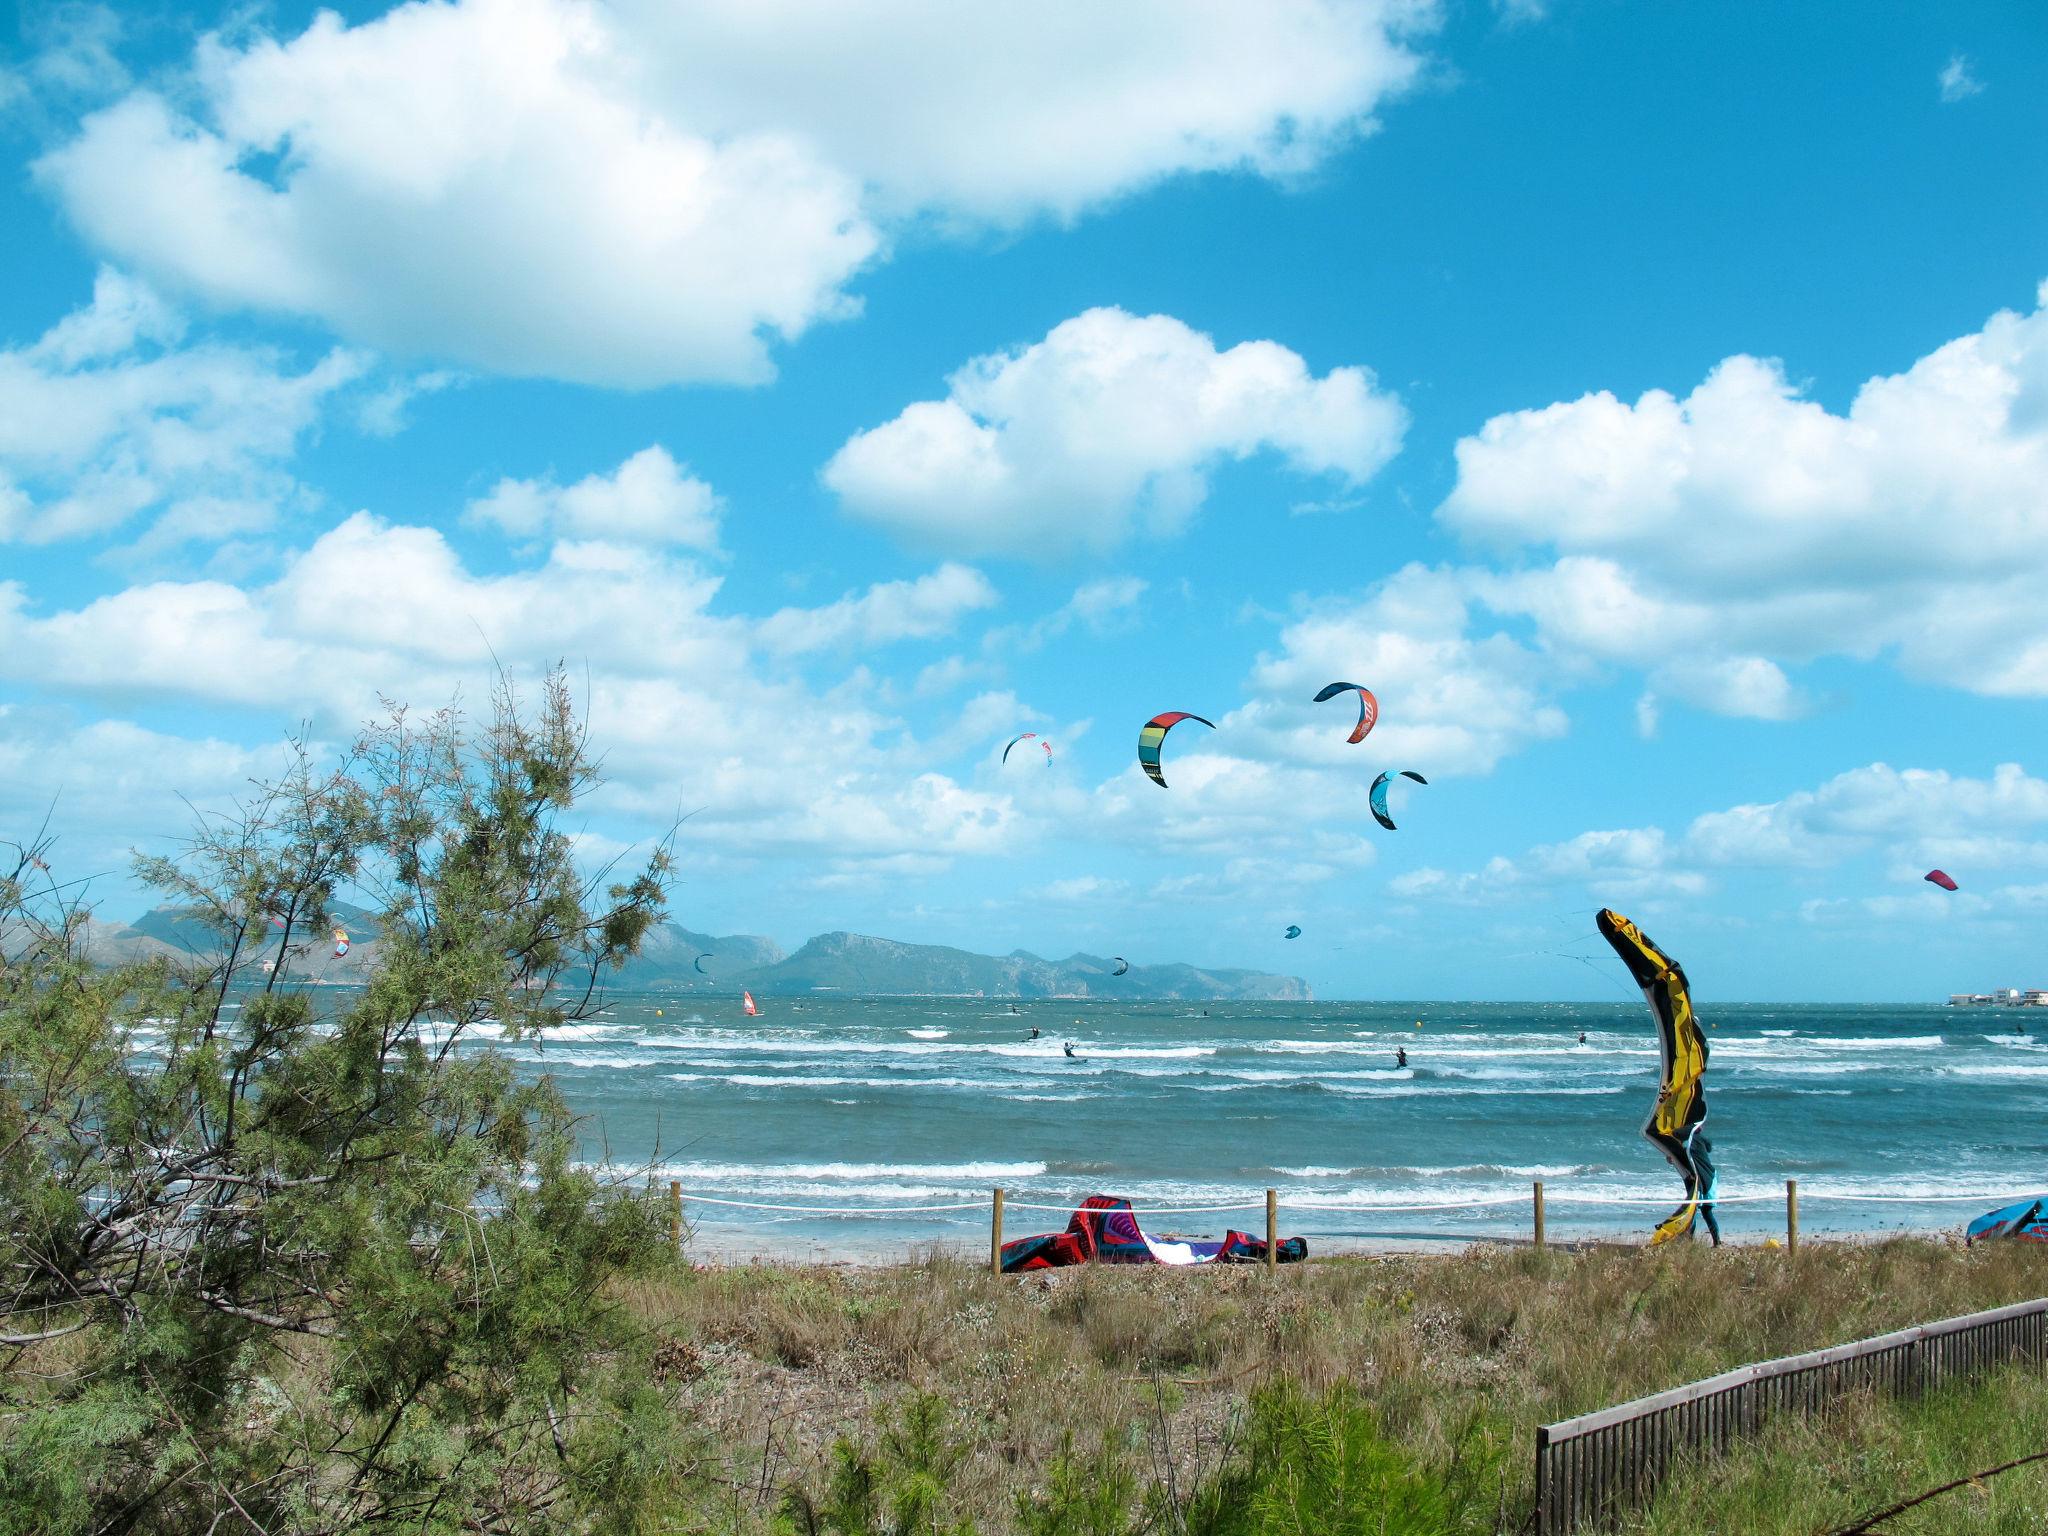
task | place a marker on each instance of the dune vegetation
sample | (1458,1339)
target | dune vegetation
(288,1262)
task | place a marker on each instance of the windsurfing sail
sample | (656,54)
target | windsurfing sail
(1122,965)
(1153,736)
(2024,1221)
(340,941)
(1105,1230)
(1377,797)
(1368,707)
(747,1004)
(1681,1107)
(1937,877)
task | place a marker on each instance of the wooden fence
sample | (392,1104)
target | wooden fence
(1591,1468)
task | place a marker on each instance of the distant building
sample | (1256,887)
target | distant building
(2003,997)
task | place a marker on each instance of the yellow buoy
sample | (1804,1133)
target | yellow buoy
(657,1013)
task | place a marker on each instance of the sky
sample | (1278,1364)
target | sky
(1648,403)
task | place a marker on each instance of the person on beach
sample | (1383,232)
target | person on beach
(1707,1180)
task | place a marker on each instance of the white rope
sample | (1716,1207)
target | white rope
(1551,1196)
(1073,1206)
(838,1210)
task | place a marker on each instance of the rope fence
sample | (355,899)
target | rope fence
(1539,1198)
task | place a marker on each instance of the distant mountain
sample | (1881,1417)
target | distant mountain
(854,962)
(831,962)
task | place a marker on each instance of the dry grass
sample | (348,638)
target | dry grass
(1470,1350)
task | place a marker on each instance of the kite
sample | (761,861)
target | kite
(1029,736)
(2025,1221)
(340,941)
(1378,796)
(1104,1230)
(1122,965)
(1293,931)
(699,962)
(1153,736)
(1681,1107)
(1936,877)
(1368,707)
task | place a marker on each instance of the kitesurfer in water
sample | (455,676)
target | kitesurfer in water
(1400,1056)
(1068,1047)
(1582,1037)
(1034,1033)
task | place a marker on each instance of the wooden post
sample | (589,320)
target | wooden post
(1539,1213)
(1791,1215)
(995,1233)
(675,1214)
(1272,1230)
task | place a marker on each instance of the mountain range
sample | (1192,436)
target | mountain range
(832,962)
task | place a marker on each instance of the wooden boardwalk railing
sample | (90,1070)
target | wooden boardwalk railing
(1591,1468)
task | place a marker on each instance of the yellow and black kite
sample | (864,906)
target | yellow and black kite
(1681,1108)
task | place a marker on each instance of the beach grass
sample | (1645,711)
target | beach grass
(1433,1369)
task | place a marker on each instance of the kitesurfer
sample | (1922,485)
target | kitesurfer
(1400,1056)
(1068,1047)
(1034,1033)
(1582,1037)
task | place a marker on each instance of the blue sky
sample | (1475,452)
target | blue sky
(1649,403)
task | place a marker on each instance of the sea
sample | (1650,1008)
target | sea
(864,1127)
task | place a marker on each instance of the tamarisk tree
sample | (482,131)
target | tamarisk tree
(282,1257)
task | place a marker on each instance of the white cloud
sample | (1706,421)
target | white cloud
(692,708)
(1905,819)
(642,193)
(1957,82)
(130,785)
(887,612)
(997,114)
(1105,430)
(1448,700)
(648,499)
(1919,816)
(111,415)
(480,181)
(1713,540)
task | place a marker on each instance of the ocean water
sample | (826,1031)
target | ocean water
(1927,1116)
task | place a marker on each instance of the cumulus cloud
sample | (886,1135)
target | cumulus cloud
(887,612)
(694,707)
(1903,819)
(648,499)
(137,786)
(111,414)
(1714,539)
(640,193)
(1449,698)
(1105,430)
(1956,80)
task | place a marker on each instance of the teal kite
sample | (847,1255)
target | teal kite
(1378,796)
